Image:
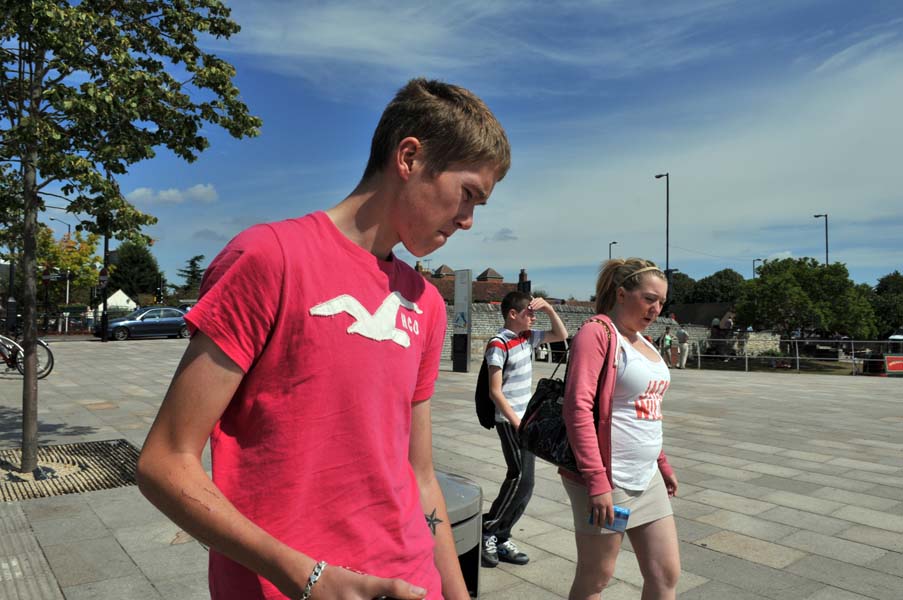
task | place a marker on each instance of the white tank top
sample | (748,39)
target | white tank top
(636,419)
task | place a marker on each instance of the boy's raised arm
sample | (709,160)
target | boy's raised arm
(558,332)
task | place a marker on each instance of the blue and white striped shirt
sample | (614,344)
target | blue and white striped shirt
(517,374)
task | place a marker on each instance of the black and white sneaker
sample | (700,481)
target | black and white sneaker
(508,552)
(489,554)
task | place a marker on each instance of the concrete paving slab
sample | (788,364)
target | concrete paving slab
(185,587)
(89,561)
(880,538)
(747,575)
(891,562)
(851,578)
(134,588)
(833,593)
(747,525)
(838,549)
(84,526)
(751,549)
(872,518)
(718,589)
(731,502)
(805,520)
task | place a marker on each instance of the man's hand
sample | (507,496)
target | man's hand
(337,583)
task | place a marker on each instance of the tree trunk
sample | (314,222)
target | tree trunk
(30,384)
(29,266)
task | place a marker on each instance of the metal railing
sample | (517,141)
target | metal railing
(857,357)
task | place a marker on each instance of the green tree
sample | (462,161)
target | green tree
(136,270)
(77,256)
(73,256)
(804,294)
(87,88)
(192,274)
(722,286)
(681,288)
(887,304)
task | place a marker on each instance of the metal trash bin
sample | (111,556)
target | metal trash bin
(464,500)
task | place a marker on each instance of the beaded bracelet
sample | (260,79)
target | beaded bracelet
(314,576)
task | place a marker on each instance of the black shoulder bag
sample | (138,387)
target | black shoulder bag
(542,430)
(483,402)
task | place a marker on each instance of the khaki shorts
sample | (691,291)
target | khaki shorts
(645,507)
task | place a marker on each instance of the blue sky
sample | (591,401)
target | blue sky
(764,113)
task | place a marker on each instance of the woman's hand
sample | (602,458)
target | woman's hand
(337,583)
(671,484)
(601,510)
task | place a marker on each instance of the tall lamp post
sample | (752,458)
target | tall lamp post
(667,177)
(755,260)
(68,242)
(826,235)
(610,244)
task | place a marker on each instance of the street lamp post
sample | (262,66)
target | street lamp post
(610,244)
(68,242)
(46,277)
(755,260)
(667,177)
(826,235)
(65,313)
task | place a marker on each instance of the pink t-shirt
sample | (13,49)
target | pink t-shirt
(336,345)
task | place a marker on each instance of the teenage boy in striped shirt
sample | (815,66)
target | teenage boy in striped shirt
(510,386)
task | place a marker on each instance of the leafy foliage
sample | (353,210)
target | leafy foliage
(192,274)
(76,255)
(87,88)
(804,294)
(887,303)
(681,288)
(722,286)
(136,270)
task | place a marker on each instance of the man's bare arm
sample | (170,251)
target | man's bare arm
(558,332)
(420,454)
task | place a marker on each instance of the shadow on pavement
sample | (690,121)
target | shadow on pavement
(11,427)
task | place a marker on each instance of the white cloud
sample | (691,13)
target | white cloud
(202,193)
(745,179)
(496,43)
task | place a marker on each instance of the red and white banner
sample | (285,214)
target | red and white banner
(893,364)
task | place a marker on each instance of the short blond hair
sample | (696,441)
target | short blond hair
(622,272)
(452,124)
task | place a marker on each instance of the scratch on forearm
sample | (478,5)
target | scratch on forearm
(188,496)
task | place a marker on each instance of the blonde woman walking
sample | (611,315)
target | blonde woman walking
(620,459)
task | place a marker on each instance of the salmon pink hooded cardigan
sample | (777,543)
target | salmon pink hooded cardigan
(592,367)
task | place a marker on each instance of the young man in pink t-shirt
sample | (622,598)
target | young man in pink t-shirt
(313,356)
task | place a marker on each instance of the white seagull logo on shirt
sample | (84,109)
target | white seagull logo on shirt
(380,326)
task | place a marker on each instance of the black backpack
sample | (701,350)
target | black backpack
(484,404)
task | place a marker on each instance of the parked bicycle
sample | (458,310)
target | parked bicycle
(13,355)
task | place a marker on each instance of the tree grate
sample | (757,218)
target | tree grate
(68,469)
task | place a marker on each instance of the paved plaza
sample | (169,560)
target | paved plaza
(791,488)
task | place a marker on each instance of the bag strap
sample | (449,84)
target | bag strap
(601,371)
(504,344)
(568,350)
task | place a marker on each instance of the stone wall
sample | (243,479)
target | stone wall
(741,343)
(487,319)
